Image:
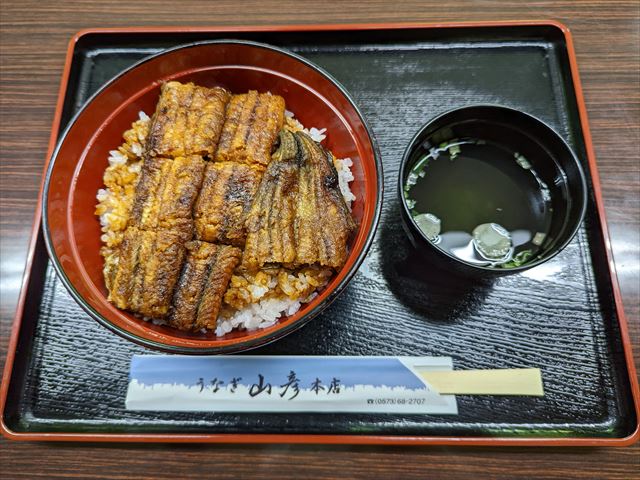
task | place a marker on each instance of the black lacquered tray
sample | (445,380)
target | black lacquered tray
(67,376)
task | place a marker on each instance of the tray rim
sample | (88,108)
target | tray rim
(239,438)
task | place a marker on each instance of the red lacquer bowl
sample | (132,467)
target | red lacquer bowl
(72,231)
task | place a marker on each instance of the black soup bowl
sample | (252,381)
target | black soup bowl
(488,190)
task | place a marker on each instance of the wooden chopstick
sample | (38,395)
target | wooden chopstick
(514,381)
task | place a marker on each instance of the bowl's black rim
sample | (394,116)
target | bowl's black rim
(496,271)
(242,346)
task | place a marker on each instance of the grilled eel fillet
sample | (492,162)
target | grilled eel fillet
(204,279)
(153,248)
(147,271)
(166,193)
(187,121)
(299,216)
(224,201)
(251,127)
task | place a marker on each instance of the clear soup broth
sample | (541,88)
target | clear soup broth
(479,201)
